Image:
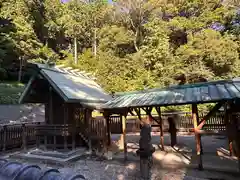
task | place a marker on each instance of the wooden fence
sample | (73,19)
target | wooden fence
(183,122)
(13,136)
(22,135)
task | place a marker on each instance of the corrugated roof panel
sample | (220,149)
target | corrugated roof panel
(161,97)
(196,94)
(187,94)
(121,102)
(155,99)
(223,91)
(147,97)
(138,98)
(130,99)
(169,97)
(205,93)
(179,95)
(232,90)
(237,85)
(213,92)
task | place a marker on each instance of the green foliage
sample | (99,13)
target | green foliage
(128,45)
(10,92)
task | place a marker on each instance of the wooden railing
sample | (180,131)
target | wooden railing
(183,122)
(23,135)
(17,135)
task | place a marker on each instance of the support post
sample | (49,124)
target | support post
(24,138)
(54,139)
(158,109)
(197,136)
(198,121)
(107,118)
(65,129)
(123,138)
(51,105)
(45,143)
(226,121)
(4,138)
(73,130)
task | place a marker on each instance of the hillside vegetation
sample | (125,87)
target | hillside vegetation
(10,92)
(128,45)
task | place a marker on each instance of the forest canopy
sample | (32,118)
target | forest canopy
(127,45)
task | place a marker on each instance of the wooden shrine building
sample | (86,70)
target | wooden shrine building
(69,97)
(225,93)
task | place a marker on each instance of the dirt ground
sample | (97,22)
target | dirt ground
(165,166)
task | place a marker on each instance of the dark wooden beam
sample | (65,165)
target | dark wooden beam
(226,121)
(148,112)
(206,117)
(130,110)
(197,136)
(107,118)
(116,111)
(138,112)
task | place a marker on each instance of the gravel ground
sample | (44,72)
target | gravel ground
(116,170)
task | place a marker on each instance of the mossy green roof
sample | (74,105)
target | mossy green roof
(197,93)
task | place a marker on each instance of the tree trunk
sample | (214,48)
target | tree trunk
(20,70)
(95,39)
(75,51)
(135,40)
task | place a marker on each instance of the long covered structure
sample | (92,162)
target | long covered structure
(223,93)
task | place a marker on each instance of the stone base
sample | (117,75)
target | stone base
(55,157)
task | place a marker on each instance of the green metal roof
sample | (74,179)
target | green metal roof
(206,92)
(71,85)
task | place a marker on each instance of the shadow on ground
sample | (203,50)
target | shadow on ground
(180,162)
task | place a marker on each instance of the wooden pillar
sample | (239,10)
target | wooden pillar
(197,136)
(65,127)
(226,121)
(54,140)
(45,142)
(73,130)
(50,106)
(158,109)
(37,136)
(107,118)
(49,138)
(4,137)
(198,122)
(24,138)
(123,136)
